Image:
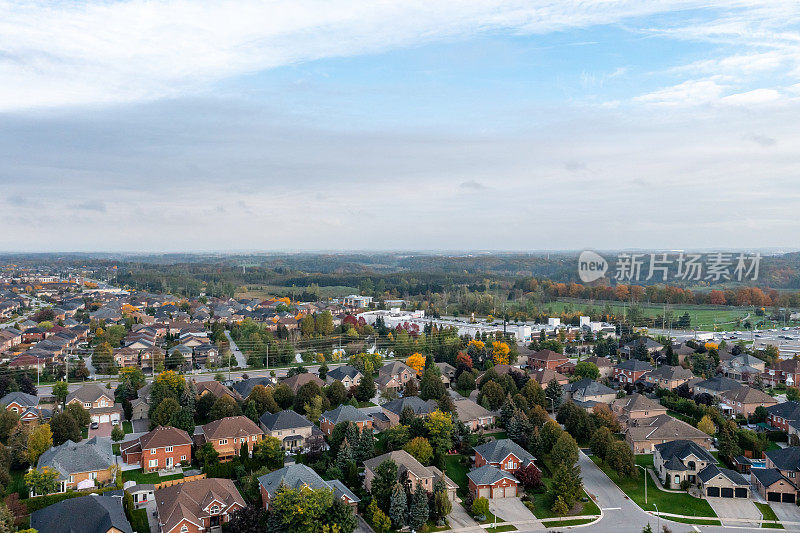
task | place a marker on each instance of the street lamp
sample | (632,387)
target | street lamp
(659,517)
(645,483)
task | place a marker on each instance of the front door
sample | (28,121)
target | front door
(169,462)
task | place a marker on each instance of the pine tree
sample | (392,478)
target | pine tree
(344,456)
(398,507)
(506,413)
(189,397)
(365,447)
(251,412)
(418,510)
(441,500)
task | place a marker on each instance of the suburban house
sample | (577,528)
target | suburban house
(297,476)
(80,465)
(293,430)
(773,485)
(588,392)
(473,415)
(546,359)
(631,371)
(742,367)
(786,371)
(545,376)
(197,506)
(96,513)
(99,402)
(636,406)
(348,375)
(782,414)
(681,460)
(216,389)
(411,470)
(784,460)
(716,385)
(643,434)
(448,373)
(228,434)
(344,413)
(245,386)
(26,406)
(298,380)
(650,345)
(490,482)
(420,407)
(603,364)
(668,377)
(504,454)
(744,400)
(394,375)
(163,447)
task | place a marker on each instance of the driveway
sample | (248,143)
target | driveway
(141,426)
(362,526)
(104,430)
(786,512)
(736,508)
(513,510)
(460,519)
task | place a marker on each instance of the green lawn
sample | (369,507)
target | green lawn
(692,521)
(457,471)
(115,448)
(768,514)
(17,483)
(127,427)
(139,521)
(366,404)
(668,502)
(540,503)
(151,478)
(498,529)
(565,523)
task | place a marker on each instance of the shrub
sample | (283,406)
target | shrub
(480,506)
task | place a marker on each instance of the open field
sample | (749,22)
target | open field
(267,291)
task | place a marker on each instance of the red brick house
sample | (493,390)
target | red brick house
(344,413)
(504,454)
(780,415)
(787,372)
(163,447)
(197,506)
(546,359)
(228,434)
(490,482)
(631,371)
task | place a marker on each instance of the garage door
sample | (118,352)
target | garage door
(511,492)
(499,492)
(788,498)
(713,492)
(483,493)
(774,496)
(105,418)
(727,492)
(741,492)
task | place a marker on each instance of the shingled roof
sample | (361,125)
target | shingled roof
(189,501)
(159,437)
(85,514)
(345,413)
(232,426)
(489,475)
(74,457)
(287,419)
(496,450)
(296,476)
(415,403)
(682,449)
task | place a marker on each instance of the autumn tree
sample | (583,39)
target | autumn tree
(420,449)
(417,362)
(39,441)
(706,425)
(500,352)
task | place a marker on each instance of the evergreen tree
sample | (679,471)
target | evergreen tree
(251,412)
(441,501)
(506,413)
(553,393)
(344,456)
(385,479)
(672,357)
(365,448)
(398,506)
(418,510)
(189,397)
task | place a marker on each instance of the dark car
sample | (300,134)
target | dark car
(94,425)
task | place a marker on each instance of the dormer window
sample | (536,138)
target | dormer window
(87,405)
(214,509)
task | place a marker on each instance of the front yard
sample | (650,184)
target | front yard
(457,471)
(151,478)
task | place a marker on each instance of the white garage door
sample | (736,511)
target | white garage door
(104,418)
(483,493)
(511,492)
(499,492)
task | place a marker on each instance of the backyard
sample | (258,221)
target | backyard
(151,478)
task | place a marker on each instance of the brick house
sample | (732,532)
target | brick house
(99,402)
(296,476)
(490,482)
(298,380)
(504,454)
(631,371)
(420,407)
(636,406)
(473,415)
(197,506)
(293,430)
(26,406)
(546,359)
(344,413)
(163,447)
(773,485)
(782,414)
(668,377)
(80,464)
(744,400)
(394,375)
(348,375)
(228,434)
(786,371)
(643,434)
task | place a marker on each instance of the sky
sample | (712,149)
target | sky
(187,125)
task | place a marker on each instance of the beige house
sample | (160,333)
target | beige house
(473,415)
(668,377)
(294,431)
(411,470)
(228,434)
(643,434)
(636,406)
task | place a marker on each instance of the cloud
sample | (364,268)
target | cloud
(473,185)
(691,92)
(98,207)
(756,96)
(762,140)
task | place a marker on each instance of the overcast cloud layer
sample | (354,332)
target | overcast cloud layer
(177,125)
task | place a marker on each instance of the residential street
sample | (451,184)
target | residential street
(241,360)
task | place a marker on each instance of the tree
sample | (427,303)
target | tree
(324,323)
(480,507)
(466,381)
(42,480)
(223,407)
(182,419)
(340,514)
(305,396)
(117,433)
(7,520)
(431,386)
(759,415)
(560,507)
(251,412)
(262,398)
(163,413)
(269,453)
(203,407)
(207,455)
(549,435)
(251,518)
(792,394)
(410,388)
(64,428)
(586,369)
(365,447)
(553,393)
(336,394)
(418,509)
(601,441)
(380,522)
(604,416)
(365,389)
(313,409)
(529,476)
(417,362)
(620,459)
(79,414)
(565,451)
(8,422)
(398,506)
(39,441)
(493,394)
(706,425)
(60,391)
(383,483)
(420,449)
(441,504)
(566,483)
(307,326)
(728,442)
(440,431)
(672,357)
(301,510)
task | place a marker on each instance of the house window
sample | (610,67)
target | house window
(223,442)
(153,452)
(183,457)
(234,440)
(153,462)
(214,510)
(93,475)
(169,449)
(87,405)
(71,479)
(677,479)
(184,529)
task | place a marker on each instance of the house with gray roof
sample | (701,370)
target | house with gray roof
(417,405)
(26,406)
(408,468)
(587,392)
(96,513)
(680,460)
(505,454)
(344,413)
(348,375)
(294,431)
(490,482)
(80,465)
(297,476)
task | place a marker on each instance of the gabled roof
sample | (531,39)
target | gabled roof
(74,457)
(712,471)
(84,514)
(415,403)
(671,372)
(89,392)
(405,462)
(296,476)
(232,426)
(496,450)
(682,449)
(489,475)
(768,476)
(345,413)
(600,362)
(298,380)
(282,420)
(547,355)
(216,388)
(664,427)
(245,386)
(20,398)
(589,387)
(634,365)
(745,394)
(159,437)
(786,410)
(467,410)
(785,458)
(719,384)
(638,402)
(394,368)
(341,372)
(188,501)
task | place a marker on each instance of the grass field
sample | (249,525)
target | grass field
(139,521)
(457,472)
(567,522)
(768,514)
(703,316)
(267,291)
(668,502)
(127,427)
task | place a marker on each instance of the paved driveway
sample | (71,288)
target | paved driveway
(459,518)
(141,426)
(511,510)
(736,508)
(787,512)
(104,430)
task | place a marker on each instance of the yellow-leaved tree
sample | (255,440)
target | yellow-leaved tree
(417,362)
(500,351)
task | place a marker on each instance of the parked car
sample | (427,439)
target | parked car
(94,425)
